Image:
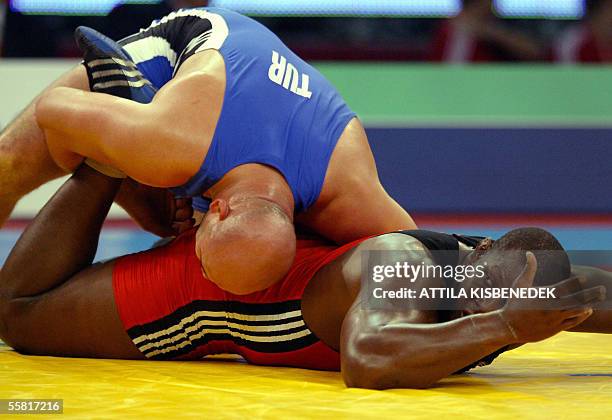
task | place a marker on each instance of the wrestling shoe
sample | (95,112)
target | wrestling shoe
(110,68)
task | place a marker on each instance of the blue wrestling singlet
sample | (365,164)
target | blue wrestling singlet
(277,110)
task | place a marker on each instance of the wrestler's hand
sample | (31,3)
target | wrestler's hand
(530,320)
(156,209)
(183,215)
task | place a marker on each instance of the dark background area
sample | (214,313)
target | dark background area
(489,38)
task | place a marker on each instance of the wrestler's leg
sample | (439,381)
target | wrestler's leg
(25,163)
(76,319)
(51,300)
(162,144)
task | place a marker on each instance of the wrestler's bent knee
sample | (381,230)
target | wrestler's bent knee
(7,319)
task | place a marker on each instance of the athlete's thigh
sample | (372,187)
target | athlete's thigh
(77,319)
(23,142)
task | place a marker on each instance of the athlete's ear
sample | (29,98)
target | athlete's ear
(483,246)
(220,206)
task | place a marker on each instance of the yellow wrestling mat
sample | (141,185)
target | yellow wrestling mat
(568,376)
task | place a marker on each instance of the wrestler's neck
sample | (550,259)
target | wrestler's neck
(254,180)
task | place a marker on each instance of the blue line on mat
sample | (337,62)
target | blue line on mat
(591,374)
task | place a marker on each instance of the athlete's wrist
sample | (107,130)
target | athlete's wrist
(495,330)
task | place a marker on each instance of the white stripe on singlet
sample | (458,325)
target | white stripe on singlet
(112,61)
(106,73)
(201,333)
(220,30)
(116,83)
(150,47)
(224,316)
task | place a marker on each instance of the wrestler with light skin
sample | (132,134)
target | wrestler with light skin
(164,143)
(53,301)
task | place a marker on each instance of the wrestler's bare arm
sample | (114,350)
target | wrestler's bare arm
(161,144)
(406,348)
(52,301)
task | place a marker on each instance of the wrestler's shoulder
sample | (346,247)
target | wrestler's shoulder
(207,65)
(409,246)
(350,264)
(395,241)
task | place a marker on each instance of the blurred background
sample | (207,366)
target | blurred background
(483,115)
(396,30)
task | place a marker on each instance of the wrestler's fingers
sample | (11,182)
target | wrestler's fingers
(183,214)
(182,202)
(570,323)
(572,313)
(583,297)
(180,227)
(569,286)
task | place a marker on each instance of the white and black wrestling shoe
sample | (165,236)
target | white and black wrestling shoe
(110,68)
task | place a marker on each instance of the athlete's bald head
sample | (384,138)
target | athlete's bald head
(245,244)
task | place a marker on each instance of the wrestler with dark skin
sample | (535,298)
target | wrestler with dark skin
(53,301)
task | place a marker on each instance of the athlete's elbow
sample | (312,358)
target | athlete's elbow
(369,377)
(369,372)
(357,375)
(383,377)
(370,364)
(362,366)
